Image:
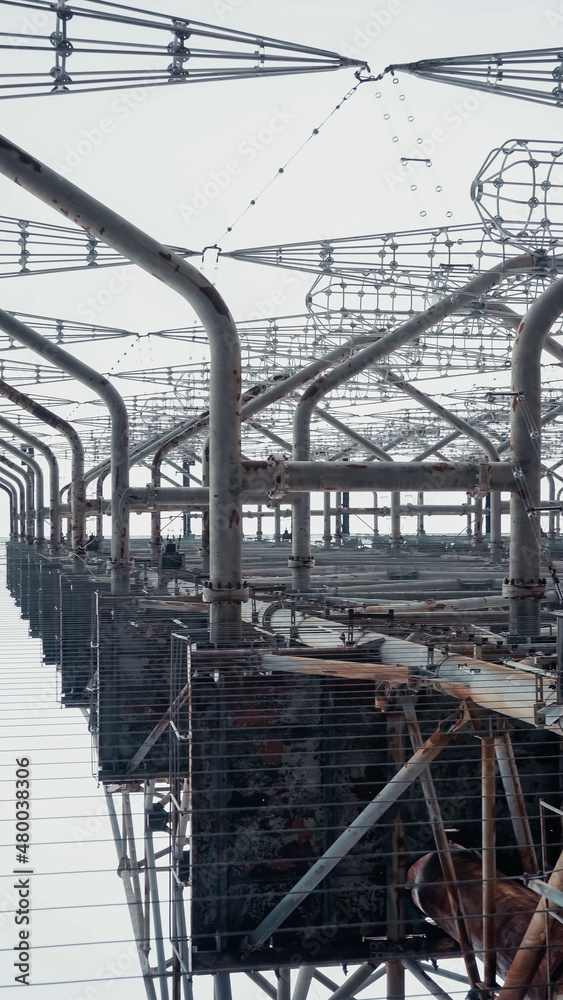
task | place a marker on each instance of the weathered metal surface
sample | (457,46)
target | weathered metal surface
(77,487)
(134,689)
(514,905)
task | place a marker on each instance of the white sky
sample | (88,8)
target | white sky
(159,154)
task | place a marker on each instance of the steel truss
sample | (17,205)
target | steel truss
(174,974)
(534,75)
(137,49)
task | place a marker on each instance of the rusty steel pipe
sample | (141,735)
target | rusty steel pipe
(34,493)
(10,489)
(530,957)
(514,904)
(525,584)
(54,499)
(20,480)
(55,355)
(26,497)
(100,512)
(78,489)
(483,283)
(225,590)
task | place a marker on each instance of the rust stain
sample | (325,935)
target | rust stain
(215,299)
(253,718)
(271,751)
(234,518)
(249,465)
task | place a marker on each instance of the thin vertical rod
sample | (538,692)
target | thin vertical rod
(441,840)
(284,984)
(488,777)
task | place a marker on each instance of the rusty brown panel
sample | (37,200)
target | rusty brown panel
(514,907)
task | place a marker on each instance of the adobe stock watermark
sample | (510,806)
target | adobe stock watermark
(125,964)
(277,297)
(88,310)
(223,8)
(365,34)
(454,118)
(555,17)
(246,152)
(32,24)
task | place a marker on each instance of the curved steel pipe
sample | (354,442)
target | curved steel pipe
(16,473)
(225,590)
(525,585)
(483,283)
(77,489)
(119,433)
(10,489)
(35,500)
(54,505)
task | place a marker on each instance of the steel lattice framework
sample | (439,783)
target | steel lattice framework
(160,49)
(534,75)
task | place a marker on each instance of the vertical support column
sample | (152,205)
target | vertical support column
(395,539)
(284,984)
(469,524)
(277,526)
(346,517)
(396,863)
(494,502)
(186,519)
(488,775)
(259,524)
(338,519)
(100,501)
(205,512)
(304,977)
(222,986)
(420,518)
(327,537)
(375,523)
(156,536)
(488,516)
(478,523)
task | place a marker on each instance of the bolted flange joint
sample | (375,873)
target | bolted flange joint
(483,484)
(297,562)
(280,488)
(524,589)
(152,496)
(221,595)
